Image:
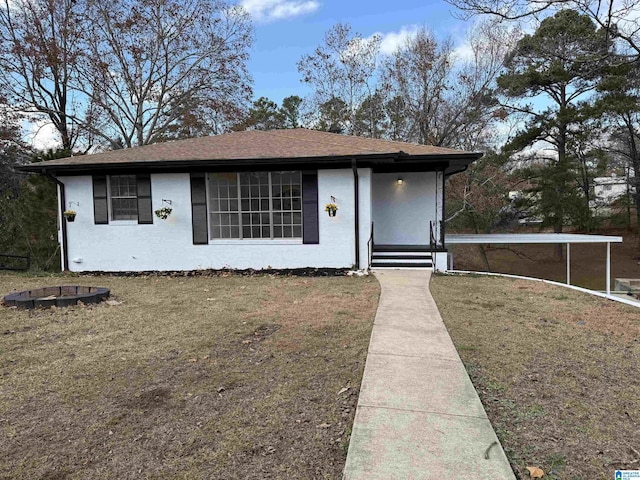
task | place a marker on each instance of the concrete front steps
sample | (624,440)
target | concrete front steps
(401,256)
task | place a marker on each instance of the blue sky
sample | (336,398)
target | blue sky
(287,29)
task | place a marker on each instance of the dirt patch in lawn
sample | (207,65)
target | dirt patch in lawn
(588,261)
(232,378)
(556,370)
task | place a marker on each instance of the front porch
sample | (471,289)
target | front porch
(406,228)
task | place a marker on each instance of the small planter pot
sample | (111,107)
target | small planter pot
(70,218)
(332,213)
(163,213)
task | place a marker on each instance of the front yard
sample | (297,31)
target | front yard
(557,372)
(229,377)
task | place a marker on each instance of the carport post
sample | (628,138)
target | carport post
(608,268)
(568,264)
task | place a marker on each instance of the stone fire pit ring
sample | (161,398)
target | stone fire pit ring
(63,296)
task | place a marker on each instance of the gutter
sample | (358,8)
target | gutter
(63,223)
(371,160)
(444,208)
(356,195)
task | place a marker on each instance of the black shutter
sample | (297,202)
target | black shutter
(199,208)
(100,201)
(310,229)
(143,182)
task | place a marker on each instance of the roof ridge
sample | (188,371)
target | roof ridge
(277,132)
(379,140)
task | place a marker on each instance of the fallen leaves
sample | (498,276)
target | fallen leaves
(535,472)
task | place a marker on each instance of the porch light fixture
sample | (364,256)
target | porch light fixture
(400,181)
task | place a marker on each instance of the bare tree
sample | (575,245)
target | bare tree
(13,151)
(418,73)
(448,100)
(475,114)
(620,18)
(39,43)
(342,69)
(151,62)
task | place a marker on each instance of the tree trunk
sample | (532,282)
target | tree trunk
(635,161)
(562,164)
(485,258)
(559,254)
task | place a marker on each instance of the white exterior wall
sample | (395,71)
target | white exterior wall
(365,185)
(168,245)
(608,189)
(401,213)
(440,261)
(440,180)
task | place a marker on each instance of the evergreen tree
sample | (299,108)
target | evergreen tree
(619,102)
(29,220)
(558,64)
(370,117)
(264,115)
(290,111)
(334,116)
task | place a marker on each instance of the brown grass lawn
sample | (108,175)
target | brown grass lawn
(220,377)
(557,370)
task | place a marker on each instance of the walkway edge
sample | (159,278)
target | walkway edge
(595,293)
(418,414)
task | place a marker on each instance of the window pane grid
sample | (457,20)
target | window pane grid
(124,197)
(223,202)
(287,205)
(254,194)
(254,205)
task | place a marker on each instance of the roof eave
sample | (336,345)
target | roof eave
(398,158)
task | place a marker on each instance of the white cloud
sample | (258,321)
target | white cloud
(392,40)
(271,10)
(464,51)
(41,134)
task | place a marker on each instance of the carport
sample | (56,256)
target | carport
(525,238)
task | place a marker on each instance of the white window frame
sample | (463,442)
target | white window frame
(263,240)
(110,204)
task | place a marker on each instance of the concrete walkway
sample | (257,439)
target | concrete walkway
(418,415)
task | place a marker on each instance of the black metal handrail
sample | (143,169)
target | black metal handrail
(370,247)
(432,236)
(432,245)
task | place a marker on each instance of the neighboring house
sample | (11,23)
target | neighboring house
(520,207)
(607,190)
(255,199)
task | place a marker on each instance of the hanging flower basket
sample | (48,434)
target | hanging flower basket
(331,209)
(163,212)
(69,215)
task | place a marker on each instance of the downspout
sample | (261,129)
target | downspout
(356,195)
(63,224)
(444,210)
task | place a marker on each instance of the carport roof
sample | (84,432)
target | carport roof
(522,238)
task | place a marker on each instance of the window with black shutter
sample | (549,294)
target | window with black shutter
(122,197)
(255,205)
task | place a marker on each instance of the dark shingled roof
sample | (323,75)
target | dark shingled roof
(256,145)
